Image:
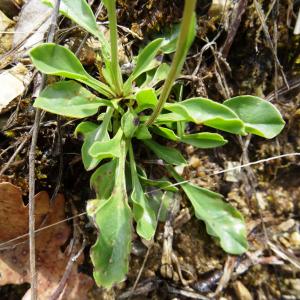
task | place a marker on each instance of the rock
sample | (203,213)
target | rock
(241,291)
(286,225)
(295,239)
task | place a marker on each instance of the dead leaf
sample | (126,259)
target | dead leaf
(34,21)
(6,36)
(17,77)
(51,261)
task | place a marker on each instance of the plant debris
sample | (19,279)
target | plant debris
(51,260)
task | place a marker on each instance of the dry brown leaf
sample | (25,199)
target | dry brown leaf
(51,261)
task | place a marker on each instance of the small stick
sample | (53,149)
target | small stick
(35,132)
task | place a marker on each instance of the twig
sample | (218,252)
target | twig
(231,169)
(20,147)
(237,14)
(268,37)
(171,185)
(35,132)
(6,244)
(61,160)
(184,293)
(166,268)
(148,252)
(73,257)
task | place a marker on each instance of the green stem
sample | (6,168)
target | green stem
(173,173)
(99,87)
(177,63)
(115,68)
(180,125)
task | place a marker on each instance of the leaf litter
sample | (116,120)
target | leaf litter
(51,260)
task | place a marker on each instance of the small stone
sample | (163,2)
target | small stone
(190,149)
(295,239)
(295,284)
(234,173)
(195,162)
(286,225)
(241,291)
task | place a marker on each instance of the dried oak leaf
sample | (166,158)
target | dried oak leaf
(51,260)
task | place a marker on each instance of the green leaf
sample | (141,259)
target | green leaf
(142,133)
(204,140)
(57,60)
(160,202)
(170,39)
(260,116)
(207,112)
(142,211)
(165,132)
(81,13)
(158,183)
(103,179)
(155,76)
(146,98)
(70,99)
(92,133)
(169,155)
(113,218)
(144,60)
(222,220)
(107,149)
(129,123)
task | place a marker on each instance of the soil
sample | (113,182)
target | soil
(267,193)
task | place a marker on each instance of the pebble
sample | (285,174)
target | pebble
(286,225)
(195,161)
(295,239)
(241,291)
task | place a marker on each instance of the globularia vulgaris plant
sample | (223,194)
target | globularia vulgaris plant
(132,111)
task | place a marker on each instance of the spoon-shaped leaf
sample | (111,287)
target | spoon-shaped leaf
(260,116)
(113,218)
(57,60)
(81,13)
(107,149)
(129,123)
(146,98)
(207,112)
(103,179)
(222,220)
(204,140)
(170,155)
(165,132)
(70,99)
(91,132)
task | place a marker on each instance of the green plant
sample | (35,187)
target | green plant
(125,124)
